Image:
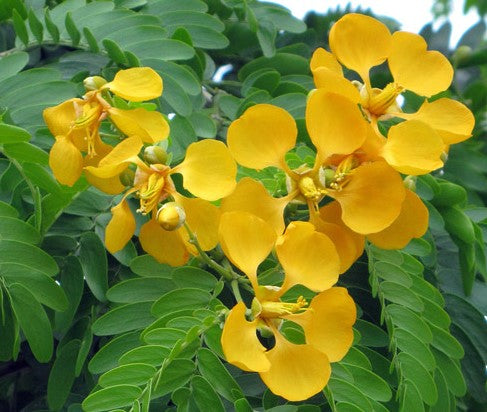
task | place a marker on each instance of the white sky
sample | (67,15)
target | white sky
(412,14)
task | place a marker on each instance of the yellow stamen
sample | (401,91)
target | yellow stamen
(277,309)
(150,193)
(379,103)
(308,189)
(343,171)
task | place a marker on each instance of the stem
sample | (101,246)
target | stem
(204,256)
(236,290)
(36,196)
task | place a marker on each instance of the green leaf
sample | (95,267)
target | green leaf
(242,405)
(203,124)
(51,27)
(409,343)
(17,256)
(10,65)
(12,134)
(449,194)
(445,342)
(371,334)
(123,319)
(175,375)
(204,395)
(91,40)
(146,265)
(166,337)
(411,398)
(181,299)
(62,375)
(26,152)
(111,398)
(148,354)
(139,290)
(7,211)
(133,374)
(401,295)
(93,259)
(369,383)
(35,26)
(459,224)
(20,27)
(71,28)
(435,314)
(390,272)
(452,374)
(192,277)
(107,356)
(346,392)
(114,51)
(410,321)
(413,370)
(33,321)
(16,229)
(213,370)
(9,332)
(284,63)
(266,34)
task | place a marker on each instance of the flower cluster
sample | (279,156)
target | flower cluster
(356,190)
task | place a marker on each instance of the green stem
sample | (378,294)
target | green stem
(36,196)
(236,290)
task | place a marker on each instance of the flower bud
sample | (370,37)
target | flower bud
(127,177)
(326,176)
(94,83)
(155,155)
(410,182)
(462,53)
(171,216)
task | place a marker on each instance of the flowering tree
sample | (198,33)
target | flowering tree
(212,205)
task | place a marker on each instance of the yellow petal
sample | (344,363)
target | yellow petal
(120,228)
(262,136)
(60,118)
(372,199)
(308,257)
(360,42)
(118,159)
(165,246)
(413,148)
(208,170)
(251,196)
(411,223)
(414,68)
(331,82)
(150,126)
(297,372)
(349,244)
(246,240)
(240,343)
(328,326)
(136,84)
(203,218)
(335,124)
(452,120)
(373,145)
(323,58)
(65,161)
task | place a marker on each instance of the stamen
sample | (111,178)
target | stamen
(379,103)
(150,193)
(277,309)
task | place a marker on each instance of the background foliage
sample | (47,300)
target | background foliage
(81,328)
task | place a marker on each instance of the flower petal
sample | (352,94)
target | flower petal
(452,120)
(60,118)
(323,58)
(349,244)
(208,170)
(118,159)
(150,126)
(372,199)
(136,84)
(240,343)
(65,161)
(411,223)
(297,372)
(413,148)
(331,82)
(262,136)
(164,246)
(120,228)
(328,326)
(246,240)
(335,124)
(360,42)
(251,196)
(414,68)
(308,257)
(203,218)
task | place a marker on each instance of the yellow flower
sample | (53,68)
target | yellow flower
(415,146)
(208,172)
(75,122)
(370,193)
(293,371)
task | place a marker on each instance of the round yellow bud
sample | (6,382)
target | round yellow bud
(155,155)
(93,83)
(171,216)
